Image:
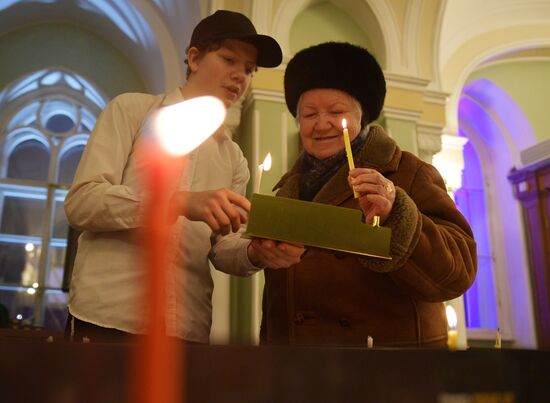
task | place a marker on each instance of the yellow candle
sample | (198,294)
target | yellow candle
(498,342)
(349,153)
(370,342)
(265,166)
(452,337)
(452,334)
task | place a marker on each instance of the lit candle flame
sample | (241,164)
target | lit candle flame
(451,317)
(184,126)
(266,165)
(344,123)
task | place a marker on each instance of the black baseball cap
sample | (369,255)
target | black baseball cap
(224,24)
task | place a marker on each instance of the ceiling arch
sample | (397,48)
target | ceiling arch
(491,47)
(137,28)
(358,11)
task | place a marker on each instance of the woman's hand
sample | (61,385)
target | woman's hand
(376,193)
(274,254)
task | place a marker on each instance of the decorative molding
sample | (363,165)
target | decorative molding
(401,114)
(429,139)
(450,161)
(255,94)
(452,142)
(406,82)
(536,153)
(495,61)
(430,128)
(436,97)
(260,12)
(413,18)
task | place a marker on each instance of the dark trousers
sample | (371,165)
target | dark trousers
(84,332)
(80,331)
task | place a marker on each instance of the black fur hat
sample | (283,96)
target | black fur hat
(342,66)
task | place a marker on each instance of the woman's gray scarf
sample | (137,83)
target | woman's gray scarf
(315,172)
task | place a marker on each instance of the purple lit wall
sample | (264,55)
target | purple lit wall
(497,130)
(479,301)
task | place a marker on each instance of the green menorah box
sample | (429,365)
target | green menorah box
(317,225)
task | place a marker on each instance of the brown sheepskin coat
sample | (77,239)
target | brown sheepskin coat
(334,298)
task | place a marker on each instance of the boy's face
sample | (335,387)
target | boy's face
(224,73)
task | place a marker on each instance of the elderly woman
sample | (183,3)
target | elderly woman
(333,298)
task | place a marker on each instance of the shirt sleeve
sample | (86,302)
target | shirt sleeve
(100,198)
(229,253)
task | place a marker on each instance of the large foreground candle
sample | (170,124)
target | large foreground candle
(177,129)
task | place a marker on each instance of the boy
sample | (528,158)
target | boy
(106,301)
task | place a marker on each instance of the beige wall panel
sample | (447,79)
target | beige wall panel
(404,99)
(433,113)
(268,79)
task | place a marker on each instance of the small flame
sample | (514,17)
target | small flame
(344,123)
(451,317)
(266,165)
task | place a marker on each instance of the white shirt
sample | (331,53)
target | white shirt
(105,200)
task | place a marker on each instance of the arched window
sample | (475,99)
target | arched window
(45,122)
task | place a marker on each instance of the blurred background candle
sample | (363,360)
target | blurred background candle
(264,166)
(452,334)
(370,342)
(498,341)
(177,130)
(349,152)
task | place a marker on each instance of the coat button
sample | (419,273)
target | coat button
(344,322)
(299,318)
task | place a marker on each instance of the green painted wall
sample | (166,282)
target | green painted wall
(324,22)
(528,83)
(57,44)
(270,141)
(403,132)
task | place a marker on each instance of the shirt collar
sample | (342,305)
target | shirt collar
(173,97)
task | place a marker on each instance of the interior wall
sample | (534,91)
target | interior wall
(56,44)
(527,82)
(324,22)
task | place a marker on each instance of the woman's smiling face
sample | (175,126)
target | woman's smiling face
(319,115)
